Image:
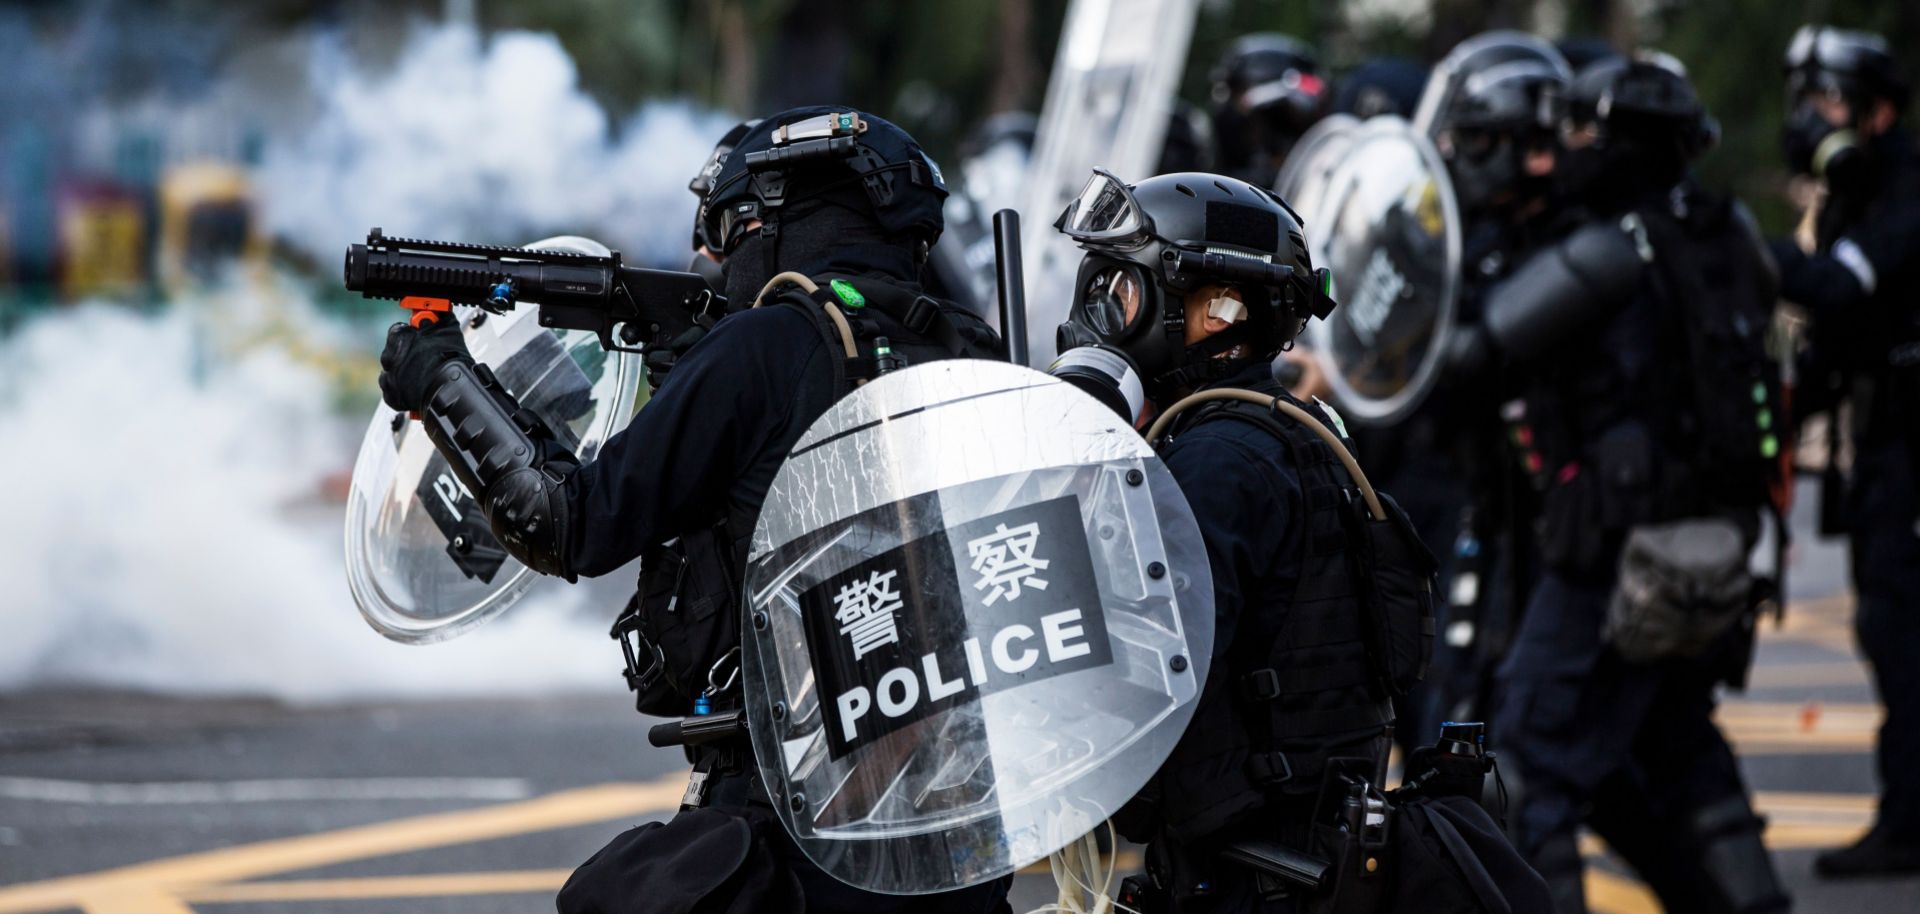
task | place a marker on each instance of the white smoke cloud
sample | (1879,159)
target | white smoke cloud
(481,134)
(165,526)
(166,530)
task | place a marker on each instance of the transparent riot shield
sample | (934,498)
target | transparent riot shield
(1304,178)
(978,617)
(1113,83)
(1380,214)
(422,563)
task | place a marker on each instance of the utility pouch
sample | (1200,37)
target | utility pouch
(1356,840)
(686,615)
(1393,573)
(1279,871)
(1682,586)
(1140,893)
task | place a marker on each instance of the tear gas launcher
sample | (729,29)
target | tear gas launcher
(626,307)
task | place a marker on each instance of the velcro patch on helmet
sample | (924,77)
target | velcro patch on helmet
(1242,226)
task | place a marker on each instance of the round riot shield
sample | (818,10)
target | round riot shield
(1303,178)
(1383,219)
(978,617)
(422,563)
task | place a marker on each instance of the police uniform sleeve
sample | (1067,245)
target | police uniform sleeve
(1836,285)
(727,398)
(1243,506)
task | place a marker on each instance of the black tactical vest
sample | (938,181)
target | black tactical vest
(687,607)
(1311,683)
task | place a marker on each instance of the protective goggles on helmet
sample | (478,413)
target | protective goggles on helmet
(1105,214)
(1815,48)
(832,136)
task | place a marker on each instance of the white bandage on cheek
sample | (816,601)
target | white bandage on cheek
(1227,309)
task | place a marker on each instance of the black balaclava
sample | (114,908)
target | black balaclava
(827,233)
(1621,172)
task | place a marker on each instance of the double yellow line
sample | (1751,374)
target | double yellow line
(165,886)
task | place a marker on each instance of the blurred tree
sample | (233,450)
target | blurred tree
(939,68)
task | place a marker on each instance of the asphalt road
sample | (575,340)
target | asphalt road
(117,803)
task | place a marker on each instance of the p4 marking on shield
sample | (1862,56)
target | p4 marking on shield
(1012,650)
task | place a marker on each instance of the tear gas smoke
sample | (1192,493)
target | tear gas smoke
(167,529)
(486,140)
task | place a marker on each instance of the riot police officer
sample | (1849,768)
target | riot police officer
(1267,90)
(1191,284)
(660,355)
(821,213)
(1490,107)
(1846,97)
(1638,342)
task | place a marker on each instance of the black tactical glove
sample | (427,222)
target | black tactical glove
(661,357)
(407,363)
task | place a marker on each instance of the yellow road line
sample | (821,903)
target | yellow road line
(424,886)
(1611,894)
(1775,727)
(1827,621)
(171,875)
(1799,820)
(134,901)
(1787,836)
(1791,802)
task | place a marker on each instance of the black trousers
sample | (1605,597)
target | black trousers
(1629,749)
(1884,524)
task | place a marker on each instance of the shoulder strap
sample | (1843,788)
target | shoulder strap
(1276,407)
(797,291)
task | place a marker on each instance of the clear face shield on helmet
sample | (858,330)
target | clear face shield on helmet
(1105,214)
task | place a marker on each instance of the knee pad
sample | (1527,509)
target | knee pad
(1735,861)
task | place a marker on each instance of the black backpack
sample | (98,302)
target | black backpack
(1712,269)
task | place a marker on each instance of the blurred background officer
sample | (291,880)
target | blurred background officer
(1267,90)
(681,486)
(1637,341)
(1492,102)
(1381,85)
(1858,283)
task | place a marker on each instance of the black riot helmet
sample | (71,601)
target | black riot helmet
(1857,68)
(1857,65)
(1632,128)
(1266,92)
(826,154)
(702,183)
(1149,245)
(1383,85)
(1494,100)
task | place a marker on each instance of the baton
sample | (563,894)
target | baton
(1012,279)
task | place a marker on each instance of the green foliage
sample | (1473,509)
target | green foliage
(937,67)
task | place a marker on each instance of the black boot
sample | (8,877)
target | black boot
(1735,861)
(1873,855)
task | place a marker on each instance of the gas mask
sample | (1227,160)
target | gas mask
(1490,174)
(1815,147)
